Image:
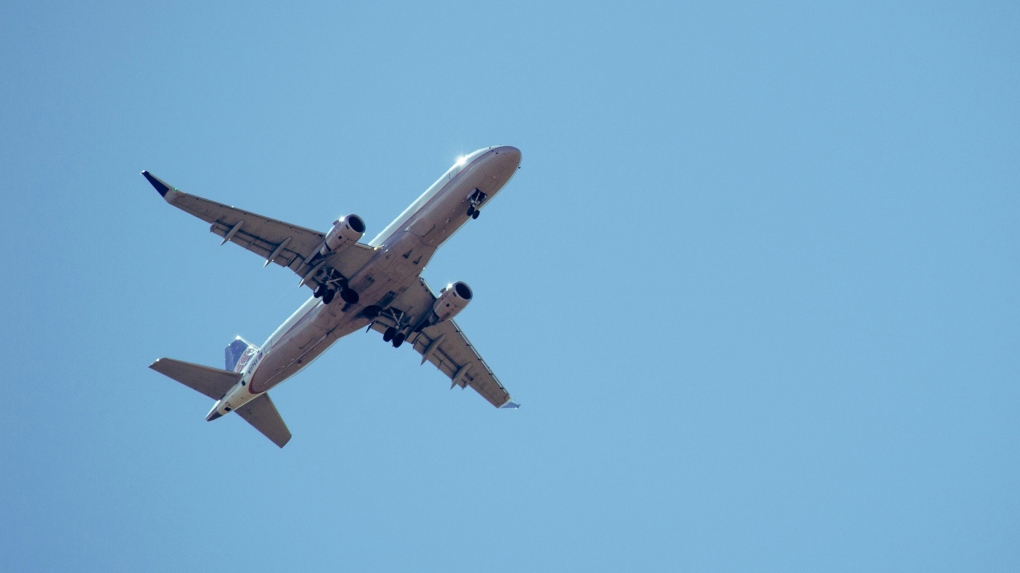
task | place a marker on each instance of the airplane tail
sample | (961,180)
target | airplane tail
(238,353)
(260,412)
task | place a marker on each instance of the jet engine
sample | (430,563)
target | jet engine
(452,300)
(346,231)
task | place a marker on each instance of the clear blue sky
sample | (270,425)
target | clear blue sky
(756,286)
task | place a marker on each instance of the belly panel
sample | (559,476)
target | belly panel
(298,349)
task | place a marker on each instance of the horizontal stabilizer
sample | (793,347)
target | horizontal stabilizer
(212,382)
(261,413)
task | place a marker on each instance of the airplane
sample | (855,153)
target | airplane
(378,286)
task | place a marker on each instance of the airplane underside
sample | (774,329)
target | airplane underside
(354,286)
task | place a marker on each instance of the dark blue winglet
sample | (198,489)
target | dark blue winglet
(159,185)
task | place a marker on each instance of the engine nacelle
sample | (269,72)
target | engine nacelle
(452,300)
(346,231)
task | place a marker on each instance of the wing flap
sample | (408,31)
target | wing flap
(258,234)
(261,413)
(265,236)
(211,382)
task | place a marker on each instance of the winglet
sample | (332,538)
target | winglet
(510,405)
(159,184)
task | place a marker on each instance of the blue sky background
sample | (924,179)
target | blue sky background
(756,286)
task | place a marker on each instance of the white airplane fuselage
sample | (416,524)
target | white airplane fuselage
(402,250)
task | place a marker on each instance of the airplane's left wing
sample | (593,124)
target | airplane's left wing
(447,347)
(282,243)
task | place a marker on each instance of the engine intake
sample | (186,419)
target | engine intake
(452,300)
(346,231)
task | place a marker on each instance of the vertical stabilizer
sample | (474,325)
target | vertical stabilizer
(238,353)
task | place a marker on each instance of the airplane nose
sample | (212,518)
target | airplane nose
(509,154)
(506,160)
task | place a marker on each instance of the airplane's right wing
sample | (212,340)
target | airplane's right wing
(287,245)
